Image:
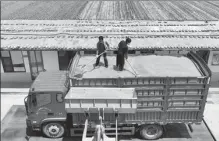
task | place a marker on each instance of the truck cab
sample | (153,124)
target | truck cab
(44,104)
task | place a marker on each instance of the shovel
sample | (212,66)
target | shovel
(132,68)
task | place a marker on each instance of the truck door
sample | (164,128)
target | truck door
(41,104)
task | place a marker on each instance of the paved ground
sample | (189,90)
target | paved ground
(211,114)
(7,101)
(14,129)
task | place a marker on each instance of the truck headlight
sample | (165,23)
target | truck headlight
(34,122)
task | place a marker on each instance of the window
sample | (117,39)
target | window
(12,61)
(36,63)
(39,100)
(59,97)
(215,59)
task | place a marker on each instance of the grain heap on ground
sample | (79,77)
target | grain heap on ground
(145,66)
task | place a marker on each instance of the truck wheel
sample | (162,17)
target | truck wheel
(151,131)
(53,130)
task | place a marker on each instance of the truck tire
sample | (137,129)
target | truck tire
(53,130)
(151,131)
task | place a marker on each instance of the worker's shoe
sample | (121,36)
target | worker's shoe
(120,68)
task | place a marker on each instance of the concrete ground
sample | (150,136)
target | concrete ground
(14,129)
(211,114)
(8,100)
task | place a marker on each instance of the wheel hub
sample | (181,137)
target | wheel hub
(151,131)
(53,129)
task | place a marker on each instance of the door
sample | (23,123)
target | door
(36,63)
(204,54)
(65,58)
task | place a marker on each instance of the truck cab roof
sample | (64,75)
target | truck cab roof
(50,81)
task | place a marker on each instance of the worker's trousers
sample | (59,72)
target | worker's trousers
(120,61)
(105,59)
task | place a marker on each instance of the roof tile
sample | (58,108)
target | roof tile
(30,35)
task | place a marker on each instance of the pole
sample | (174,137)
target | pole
(131,67)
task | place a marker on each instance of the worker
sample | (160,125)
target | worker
(101,47)
(122,53)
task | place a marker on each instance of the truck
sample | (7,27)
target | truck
(165,90)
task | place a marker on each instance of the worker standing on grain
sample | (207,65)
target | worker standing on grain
(101,47)
(122,53)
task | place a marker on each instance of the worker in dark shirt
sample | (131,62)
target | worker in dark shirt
(101,47)
(122,53)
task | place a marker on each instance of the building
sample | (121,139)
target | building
(28,47)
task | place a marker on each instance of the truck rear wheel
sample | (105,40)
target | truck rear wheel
(151,131)
(53,130)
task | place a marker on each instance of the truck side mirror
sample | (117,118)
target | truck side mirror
(25,103)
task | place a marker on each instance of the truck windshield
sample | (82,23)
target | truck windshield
(39,99)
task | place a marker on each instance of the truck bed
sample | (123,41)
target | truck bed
(171,89)
(144,65)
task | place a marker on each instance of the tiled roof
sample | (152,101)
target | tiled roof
(75,35)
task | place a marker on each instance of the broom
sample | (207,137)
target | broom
(132,68)
(80,71)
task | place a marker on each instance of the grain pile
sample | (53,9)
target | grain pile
(145,66)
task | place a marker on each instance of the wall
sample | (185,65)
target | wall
(16,77)
(214,68)
(50,60)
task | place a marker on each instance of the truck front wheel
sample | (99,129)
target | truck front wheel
(53,130)
(151,131)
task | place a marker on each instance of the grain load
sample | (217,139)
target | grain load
(145,66)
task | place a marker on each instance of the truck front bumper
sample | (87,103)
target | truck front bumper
(32,126)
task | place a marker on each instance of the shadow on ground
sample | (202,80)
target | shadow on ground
(14,129)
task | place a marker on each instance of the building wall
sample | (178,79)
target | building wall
(214,68)
(17,76)
(50,60)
